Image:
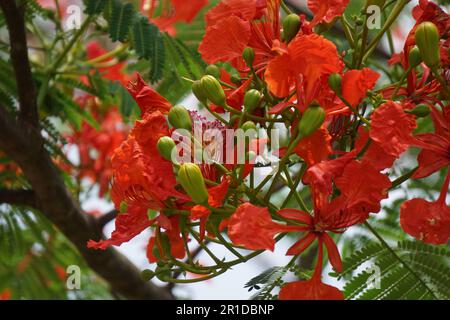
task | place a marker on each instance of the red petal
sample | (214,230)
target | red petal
(355,84)
(226,40)
(147,98)
(249,221)
(244,9)
(315,148)
(128,226)
(426,221)
(326,10)
(296,215)
(333,252)
(302,244)
(309,290)
(392,128)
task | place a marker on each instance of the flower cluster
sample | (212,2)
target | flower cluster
(266,71)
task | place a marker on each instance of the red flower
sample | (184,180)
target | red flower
(315,148)
(226,40)
(355,84)
(436,146)
(326,10)
(427,221)
(308,58)
(147,98)
(175,240)
(392,128)
(313,289)
(252,227)
(247,10)
(179,11)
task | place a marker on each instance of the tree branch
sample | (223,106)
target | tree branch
(105,218)
(14,15)
(18,197)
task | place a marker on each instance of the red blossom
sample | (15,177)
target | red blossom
(392,128)
(147,98)
(326,10)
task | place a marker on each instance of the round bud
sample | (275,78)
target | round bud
(312,119)
(252,100)
(147,275)
(213,90)
(427,40)
(414,57)
(191,179)
(249,125)
(213,70)
(291,26)
(165,146)
(199,93)
(249,56)
(179,118)
(421,111)
(335,83)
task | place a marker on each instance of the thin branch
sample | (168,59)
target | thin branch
(105,218)
(18,197)
(14,15)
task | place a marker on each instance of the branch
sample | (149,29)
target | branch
(55,202)
(18,197)
(107,217)
(26,88)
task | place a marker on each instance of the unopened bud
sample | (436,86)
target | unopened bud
(421,111)
(213,70)
(236,79)
(312,119)
(191,179)
(249,56)
(291,26)
(165,146)
(414,57)
(252,100)
(335,83)
(249,125)
(427,40)
(199,92)
(179,118)
(213,90)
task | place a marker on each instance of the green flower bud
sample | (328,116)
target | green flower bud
(179,118)
(421,111)
(147,275)
(335,82)
(162,273)
(249,125)
(191,179)
(249,56)
(199,93)
(291,26)
(165,146)
(252,100)
(427,40)
(213,90)
(213,70)
(414,57)
(312,119)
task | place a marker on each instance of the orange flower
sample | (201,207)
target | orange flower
(326,10)
(308,58)
(5,294)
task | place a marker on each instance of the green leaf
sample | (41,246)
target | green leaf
(94,6)
(121,18)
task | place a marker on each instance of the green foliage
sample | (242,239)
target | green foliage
(95,6)
(34,257)
(122,15)
(413,270)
